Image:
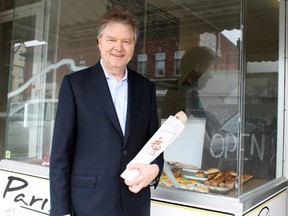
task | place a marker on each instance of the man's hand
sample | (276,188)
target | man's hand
(148,172)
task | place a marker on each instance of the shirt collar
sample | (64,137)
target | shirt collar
(108,76)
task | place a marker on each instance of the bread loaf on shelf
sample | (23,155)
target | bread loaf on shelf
(226,179)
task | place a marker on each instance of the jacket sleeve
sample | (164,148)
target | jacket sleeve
(62,151)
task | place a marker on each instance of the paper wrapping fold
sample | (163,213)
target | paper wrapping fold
(163,137)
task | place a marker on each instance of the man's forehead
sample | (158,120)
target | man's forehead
(118,25)
(116,35)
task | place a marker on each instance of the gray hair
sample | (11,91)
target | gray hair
(120,15)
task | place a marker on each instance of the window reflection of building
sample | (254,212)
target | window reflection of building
(160,64)
(177,58)
(173,28)
(164,37)
(142,64)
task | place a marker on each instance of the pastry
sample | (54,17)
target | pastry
(226,179)
(200,173)
(218,179)
(213,170)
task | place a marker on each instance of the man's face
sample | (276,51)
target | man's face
(116,45)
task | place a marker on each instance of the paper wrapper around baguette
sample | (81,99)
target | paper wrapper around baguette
(163,137)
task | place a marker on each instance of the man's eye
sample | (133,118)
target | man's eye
(127,42)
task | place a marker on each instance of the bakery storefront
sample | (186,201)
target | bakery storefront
(223,62)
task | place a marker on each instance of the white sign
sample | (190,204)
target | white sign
(159,208)
(274,205)
(23,195)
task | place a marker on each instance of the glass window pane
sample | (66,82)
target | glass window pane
(206,88)
(194,52)
(30,91)
(5,38)
(260,99)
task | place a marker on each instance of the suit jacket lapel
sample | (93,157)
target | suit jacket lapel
(102,92)
(134,97)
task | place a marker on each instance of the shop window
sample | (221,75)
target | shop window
(228,88)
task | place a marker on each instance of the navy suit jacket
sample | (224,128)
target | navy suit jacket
(89,151)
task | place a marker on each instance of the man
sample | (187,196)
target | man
(194,76)
(106,114)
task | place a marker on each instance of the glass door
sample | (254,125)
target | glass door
(27,119)
(6,18)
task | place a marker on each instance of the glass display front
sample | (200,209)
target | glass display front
(215,60)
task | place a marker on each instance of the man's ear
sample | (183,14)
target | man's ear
(98,39)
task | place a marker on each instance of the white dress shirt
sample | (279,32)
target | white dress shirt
(119,94)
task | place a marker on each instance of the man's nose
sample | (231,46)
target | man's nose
(118,45)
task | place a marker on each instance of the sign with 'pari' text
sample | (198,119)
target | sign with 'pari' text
(23,195)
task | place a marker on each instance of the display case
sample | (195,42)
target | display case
(221,62)
(229,157)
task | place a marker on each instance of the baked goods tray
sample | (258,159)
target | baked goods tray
(199,175)
(219,190)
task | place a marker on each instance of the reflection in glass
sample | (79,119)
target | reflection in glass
(194,53)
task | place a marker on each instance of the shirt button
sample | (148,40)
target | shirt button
(124,152)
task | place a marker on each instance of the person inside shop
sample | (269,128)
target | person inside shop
(106,114)
(193,77)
